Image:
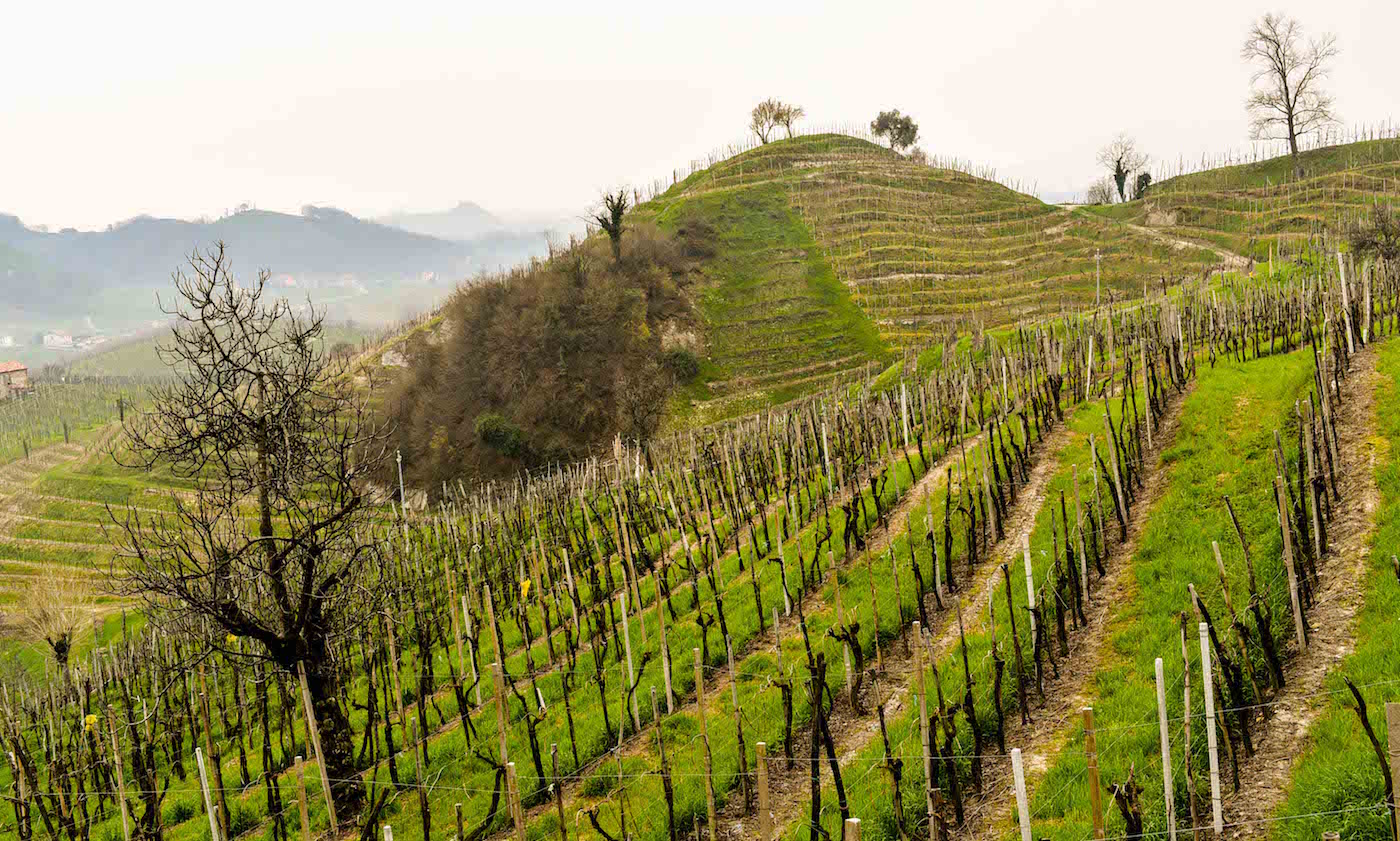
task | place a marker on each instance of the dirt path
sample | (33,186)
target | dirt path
(1230,259)
(1266,776)
(993,816)
(789,788)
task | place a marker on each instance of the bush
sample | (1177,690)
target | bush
(681,364)
(242,820)
(500,435)
(179,812)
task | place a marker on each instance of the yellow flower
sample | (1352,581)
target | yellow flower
(525,589)
(90,722)
(230,640)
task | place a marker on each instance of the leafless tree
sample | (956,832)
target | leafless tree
(258,417)
(53,608)
(766,116)
(1286,99)
(1100,192)
(789,114)
(1121,158)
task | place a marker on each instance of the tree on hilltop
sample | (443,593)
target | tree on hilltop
(1121,158)
(789,114)
(257,417)
(771,113)
(1291,68)
(900,130)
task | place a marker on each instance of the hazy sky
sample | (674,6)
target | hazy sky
(183,109)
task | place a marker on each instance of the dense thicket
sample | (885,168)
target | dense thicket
(548,362)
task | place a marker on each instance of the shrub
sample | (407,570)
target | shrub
(179,812)
(681,364)
(500,434)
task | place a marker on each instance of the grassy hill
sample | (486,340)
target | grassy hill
(1253,208)
(838,254)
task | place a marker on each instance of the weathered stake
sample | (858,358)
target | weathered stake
(1166,750)
(1091,752)
(1023,807)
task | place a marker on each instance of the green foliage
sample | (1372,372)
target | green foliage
(900,130)
(500,434)
(1140,186)
(567,351)
(682,364)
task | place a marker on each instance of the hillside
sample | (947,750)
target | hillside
(1254,208)
(114,274)
(838,254)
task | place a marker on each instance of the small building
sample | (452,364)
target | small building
(14,379)
(58,339)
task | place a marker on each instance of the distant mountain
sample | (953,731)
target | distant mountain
(48,274)
(466,221)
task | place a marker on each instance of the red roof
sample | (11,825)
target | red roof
(11,367)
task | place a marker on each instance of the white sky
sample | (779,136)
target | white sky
(184,109)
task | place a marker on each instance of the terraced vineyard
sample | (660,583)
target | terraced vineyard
(887,600)
(1258,210)
(918,249)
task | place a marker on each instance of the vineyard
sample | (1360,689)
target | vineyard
(1106,551)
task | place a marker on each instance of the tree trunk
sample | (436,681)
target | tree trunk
(334,729)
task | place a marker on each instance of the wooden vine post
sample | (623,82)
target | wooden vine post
(930,793)
(1091,754)
(300,764)
(1023,806)
(121,776)
(1299,628)
(627,644)
(705,740)
(208,801)
(1208,690)
(665,650)
(1166,750)
(765,817)
(1392,725)
(517,812)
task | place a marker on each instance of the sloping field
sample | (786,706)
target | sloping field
(919,246)
(1257,208)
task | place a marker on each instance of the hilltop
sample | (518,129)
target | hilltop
(1258,208)
(837,255)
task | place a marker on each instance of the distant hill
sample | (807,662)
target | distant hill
(466,221)
(45,274)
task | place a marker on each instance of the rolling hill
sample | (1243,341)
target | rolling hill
(1254,208)
(838,254)
(116,271)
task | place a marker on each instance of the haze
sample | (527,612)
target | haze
(187,110)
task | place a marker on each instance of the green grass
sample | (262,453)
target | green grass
(1222,448)
(1336,775)
(1272,171)
(778,322)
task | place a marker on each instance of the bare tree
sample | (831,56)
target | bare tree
(766,116)
(610,219)
(53,607)
(789,114)
(1121,158)
(258,417)
(1100,192)
(1286,99)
